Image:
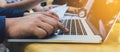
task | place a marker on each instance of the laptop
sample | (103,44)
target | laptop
(92,25)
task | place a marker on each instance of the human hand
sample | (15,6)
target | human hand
(43,9)
(48,13)
(73,10)
(40,25)
(50,7)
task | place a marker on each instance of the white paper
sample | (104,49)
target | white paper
(60,11)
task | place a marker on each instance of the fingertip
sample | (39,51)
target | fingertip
(54,14)
(62,27)
(66,30)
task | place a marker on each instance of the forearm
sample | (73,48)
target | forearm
(25,4)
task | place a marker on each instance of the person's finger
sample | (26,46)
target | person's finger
(56,25)
(76,10)
(53,6)
(62,27)
(50,15)
(47,27)
(50,7)
(50,21)
(39,32)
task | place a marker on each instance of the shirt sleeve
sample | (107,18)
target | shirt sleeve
(2,29)
(10,12)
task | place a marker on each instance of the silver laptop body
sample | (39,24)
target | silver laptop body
(94,27)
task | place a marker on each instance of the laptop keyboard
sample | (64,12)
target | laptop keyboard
(74,25)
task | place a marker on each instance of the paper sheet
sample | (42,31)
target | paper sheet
(60,11)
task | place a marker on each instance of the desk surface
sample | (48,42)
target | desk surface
(112,44)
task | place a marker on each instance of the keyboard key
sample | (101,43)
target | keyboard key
(68,26)
(73,31)
(75,27)
(78,24)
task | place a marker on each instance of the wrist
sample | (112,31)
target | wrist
(10,22)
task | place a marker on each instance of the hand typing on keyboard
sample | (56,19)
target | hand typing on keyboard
(73,24)
(37,24)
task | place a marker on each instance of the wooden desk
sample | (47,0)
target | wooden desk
(112,44)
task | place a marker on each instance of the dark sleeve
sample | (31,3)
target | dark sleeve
(2,29)
(10,12)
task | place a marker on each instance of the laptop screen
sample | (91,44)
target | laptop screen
(102,15)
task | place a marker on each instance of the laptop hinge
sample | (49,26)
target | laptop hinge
(95,31)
